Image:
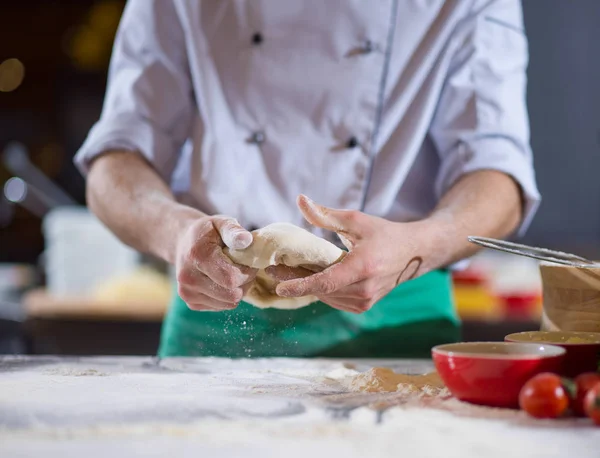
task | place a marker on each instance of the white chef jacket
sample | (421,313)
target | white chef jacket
(376,105)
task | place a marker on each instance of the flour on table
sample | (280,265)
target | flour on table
(385,380)
(287,244)
(208,407)
(75,372)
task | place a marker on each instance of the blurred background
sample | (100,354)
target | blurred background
(67,286)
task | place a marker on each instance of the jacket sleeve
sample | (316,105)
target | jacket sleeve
(148,106)
(481,121)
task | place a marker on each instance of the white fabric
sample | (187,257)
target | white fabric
(287,244)
(188,88)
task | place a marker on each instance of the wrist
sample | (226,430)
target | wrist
(179,218)
(437,242)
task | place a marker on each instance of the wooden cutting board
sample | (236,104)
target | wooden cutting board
(40,304)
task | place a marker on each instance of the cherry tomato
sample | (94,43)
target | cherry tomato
(544,396)
(584,383)
(592,403)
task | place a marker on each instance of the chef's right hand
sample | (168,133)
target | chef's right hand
(206,278)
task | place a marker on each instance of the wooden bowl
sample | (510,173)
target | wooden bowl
(571,298)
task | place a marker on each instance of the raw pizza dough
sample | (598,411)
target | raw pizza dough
(283,243)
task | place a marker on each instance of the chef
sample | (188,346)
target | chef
(397,126)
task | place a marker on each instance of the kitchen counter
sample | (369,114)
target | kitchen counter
(126,406)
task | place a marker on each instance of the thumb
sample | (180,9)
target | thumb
(234,236)
(343,222)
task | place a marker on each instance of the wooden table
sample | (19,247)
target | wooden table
(99,407)
(81,326)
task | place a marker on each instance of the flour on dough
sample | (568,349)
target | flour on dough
(283,243)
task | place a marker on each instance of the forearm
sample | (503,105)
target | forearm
(129,197)
(484,203)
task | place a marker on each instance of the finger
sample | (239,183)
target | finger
(199,301)
(246,288)
(341,304)
(207,308)
(349,304)
(221,270)
(203,284)
(283,273)
(332,279)
(361,290)
(344,222)
(233,235)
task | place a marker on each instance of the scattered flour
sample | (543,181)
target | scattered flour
(209,407)
(75,372)
(385,380)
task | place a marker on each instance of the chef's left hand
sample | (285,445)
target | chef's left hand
(382,254)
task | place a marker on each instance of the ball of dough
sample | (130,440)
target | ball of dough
(288,244)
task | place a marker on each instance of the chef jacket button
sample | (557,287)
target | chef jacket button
(257,38)
(361,173)
(367,46)
(352,142)
(257,138)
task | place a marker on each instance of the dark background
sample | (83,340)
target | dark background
(65,47)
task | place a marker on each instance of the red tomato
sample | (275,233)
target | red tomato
(592,403)
(584,383)
(544,396)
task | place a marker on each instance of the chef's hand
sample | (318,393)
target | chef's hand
(381,255)
(206,278)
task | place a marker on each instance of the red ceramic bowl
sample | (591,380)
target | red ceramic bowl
(583,348)
(493,373)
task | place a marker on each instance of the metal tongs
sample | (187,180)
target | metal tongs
(543,254)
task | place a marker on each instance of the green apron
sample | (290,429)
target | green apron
(406,323)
